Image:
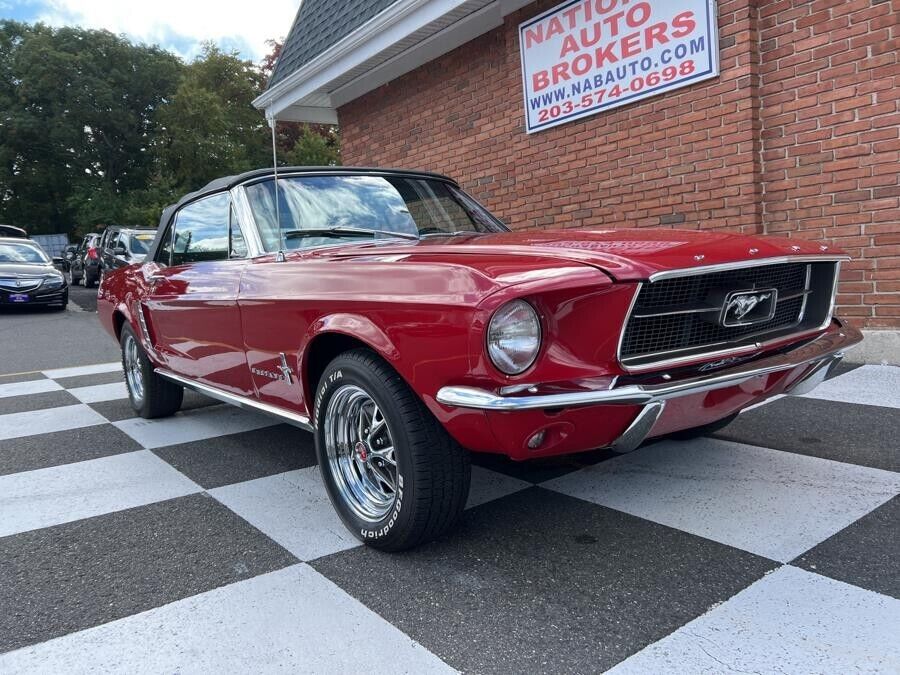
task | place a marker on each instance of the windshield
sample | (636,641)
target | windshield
(138,244)
(403,205)
(21,253)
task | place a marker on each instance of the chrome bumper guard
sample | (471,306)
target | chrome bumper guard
(824,351)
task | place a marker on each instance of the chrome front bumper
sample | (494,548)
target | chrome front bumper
(824,352)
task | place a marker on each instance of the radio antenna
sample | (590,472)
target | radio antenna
(279,257)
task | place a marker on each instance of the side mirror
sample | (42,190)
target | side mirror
(120,250)
(58,262)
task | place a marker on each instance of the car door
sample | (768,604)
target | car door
(107,252)
(191,303)
(118,251)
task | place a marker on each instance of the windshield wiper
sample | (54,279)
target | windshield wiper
(341,231)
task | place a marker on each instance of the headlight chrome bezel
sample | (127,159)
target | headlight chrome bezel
(498,355)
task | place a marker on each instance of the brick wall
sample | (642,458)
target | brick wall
(772,145)
(831,140)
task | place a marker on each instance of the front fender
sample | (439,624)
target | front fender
(356,326)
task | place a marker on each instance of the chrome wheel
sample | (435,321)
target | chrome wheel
(360,451)
(134,374)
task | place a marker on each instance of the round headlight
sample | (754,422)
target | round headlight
(514,337)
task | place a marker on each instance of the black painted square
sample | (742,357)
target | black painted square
(539,581)
(69,577)
(235,458)
(120,409)
(90,380)
(40,401)
(63,447)
(845,432)
(864,553)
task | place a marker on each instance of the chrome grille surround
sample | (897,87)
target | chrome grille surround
(677,321)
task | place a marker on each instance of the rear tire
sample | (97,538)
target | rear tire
(394,475)
(705,430)
(150,395)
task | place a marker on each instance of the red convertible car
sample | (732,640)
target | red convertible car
(392,315)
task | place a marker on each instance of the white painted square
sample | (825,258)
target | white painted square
(772,503)
(290,621)
(192,425)
(489,485)
(59,373)
(293,509)
(29,387)
(33,422)
(869,385)
(100,392)
(61,494)
(790,621)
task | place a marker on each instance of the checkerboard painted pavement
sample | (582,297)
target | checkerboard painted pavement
(205,543)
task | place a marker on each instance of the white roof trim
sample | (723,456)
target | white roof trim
(309,93)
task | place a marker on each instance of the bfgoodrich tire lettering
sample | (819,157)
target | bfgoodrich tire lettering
(150,395)
(374,434)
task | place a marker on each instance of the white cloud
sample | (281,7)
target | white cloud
(181,25)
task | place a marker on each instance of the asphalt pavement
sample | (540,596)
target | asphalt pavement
(205,543)
(37,339)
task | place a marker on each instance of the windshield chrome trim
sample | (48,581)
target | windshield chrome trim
(247,222)
(245,211)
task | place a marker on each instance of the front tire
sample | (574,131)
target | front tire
(393,474)
(150,395)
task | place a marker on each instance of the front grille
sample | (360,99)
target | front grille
(26,284)
(681,316)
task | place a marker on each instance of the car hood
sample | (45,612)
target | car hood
(19,270)
(624,254)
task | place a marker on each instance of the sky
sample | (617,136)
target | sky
(177,25)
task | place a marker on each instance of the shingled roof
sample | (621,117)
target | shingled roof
(319,24)
(337,50)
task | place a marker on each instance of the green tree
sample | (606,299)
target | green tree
(95,129)
(79,123)
(210,128)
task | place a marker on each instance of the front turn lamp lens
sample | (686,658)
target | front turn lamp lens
(514,337)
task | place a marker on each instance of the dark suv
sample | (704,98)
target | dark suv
(120,246)
(84,265)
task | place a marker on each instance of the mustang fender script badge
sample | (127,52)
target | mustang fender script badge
(283,371)
(745,308)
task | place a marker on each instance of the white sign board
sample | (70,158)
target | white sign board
(585,56)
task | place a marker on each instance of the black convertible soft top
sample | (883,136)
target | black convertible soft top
(228,182)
